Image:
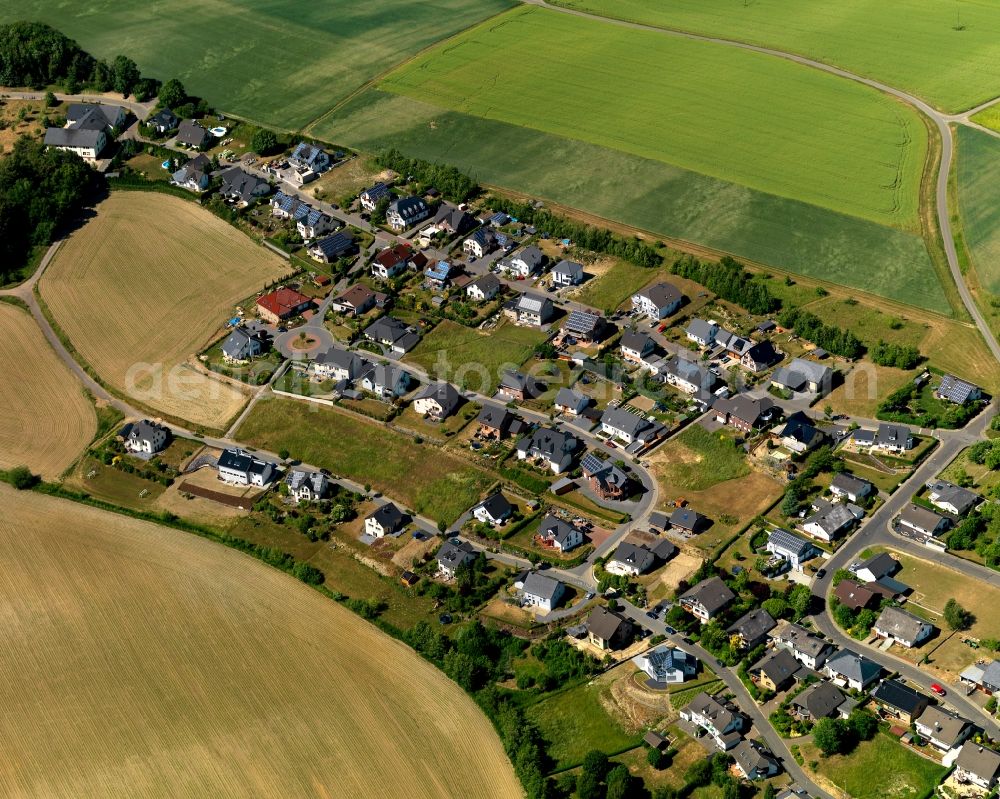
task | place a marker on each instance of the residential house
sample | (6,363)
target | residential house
(437,401)
(480,243)
(721,723)
(194,175)
(799,434)
(902,628)
(406,212)
(658,301)
(951,498)
(329,249)
(495,421)
(570,401)
(629,427)
(759,357)
(357,300)
(690,377)
(776,670)
(707,599)
(734,345)
(701,332)
(584,327)
(385,520)
(495,510)
(822,700)
(454,221)
(891,439)
(370,198)
(484,288)
(314,223)
(606,480)
(567,273)
(876,567)
(921,524)
(553,447)
(542,592)
(978,765)
(831,520)
(338,364)
(847,667)
(666,665)
(390,332)
(857,596)
(534,310)
(391,261)
(846,485)
(526,262)
(797,551)
(519,386)
(240,186)
(744,412)
(636,346)
(754,762)
(808,649)
(281,304)
(241,468)
(751,629)
(942,728)
(87,143)
(106,117)
(163,121)
(898,701)
(453,555)
(191,134)
(688,521)
(954,389)
(147,438)
(607,629)
(245,343)
(307,486)
(309,158)
(630,560)
(386,381)
(561,536)
(803,375)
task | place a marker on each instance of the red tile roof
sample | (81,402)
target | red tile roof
(283,302)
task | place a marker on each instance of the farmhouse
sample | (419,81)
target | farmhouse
(776,670)
(284,303)
(390,332)
(657,301)
(191,134)
(636,346)
(950,497)
(194,175)
(484,288)
(453,555)
(606,629)
(707,599)
(666,665)
(606,480)
(357,300)
(920,523)
(242,187)
(337,364)
(630,560)
(534,310)
(245,343)
(494,510)
(386,381)
(803,375)
(954,389)
(754,762)
(306,486)
(849,487)
(146,438)
(751,629)
(552,447)
(899,701)
(241,468)
(385,520)
(978,765)
(809,649)
(559,535)
(163,121)
(795,550)
(332,248)
(571,401)
(406,212)
(721,723)
(744,412)
(902,628)
(849,668)
(567,273)
(526,262)
(629,427)
(822,701)
(370,198)
(942,728)
(542,592)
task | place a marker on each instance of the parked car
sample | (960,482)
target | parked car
(938,689)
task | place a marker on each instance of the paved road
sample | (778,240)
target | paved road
(141,110)
(940,120)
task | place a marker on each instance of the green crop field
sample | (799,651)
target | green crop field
(978,172)
(278,62)
(780,128)
(945,52)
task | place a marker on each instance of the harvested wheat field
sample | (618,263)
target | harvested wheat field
(148,283)
(141,661)
(45,419)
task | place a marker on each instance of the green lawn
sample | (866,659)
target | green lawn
(978,172)
(421,476)
(944,52)
(615,286)
(453,352)
(574,722)
(278,62)
(882,769)
(648,194)
(842,146)
(697,460)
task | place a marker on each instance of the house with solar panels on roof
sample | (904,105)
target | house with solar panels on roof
(954,389)
(666,665)
(585,327)
(606,480)
(332,248)
(370,198)
(534,310)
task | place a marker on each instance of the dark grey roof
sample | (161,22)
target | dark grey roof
(446,394)
(892,434)
(548,442)
(386,328)
(569,398)
(880,565)
(495,416)
(851,665)
(686,519)
(570,268)
(779,666)
(977,759)
(849,484)
(821,700)
(604,624)
(900,624)
(701,329)
(488,283)
(342,359)
(532,256)
(961,498)
(662,294)
(712,594)
(455,553)
(105,115)
(899,696)
(73,137)
(626,422)
(920,518)
(541,585)
(388,516)
(191,133)
(497,506)
(754,625)
(637,557)
(557,528)
(377,192)
(638,342)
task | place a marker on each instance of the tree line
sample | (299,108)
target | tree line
(448,180)
(831,338)
(730,281)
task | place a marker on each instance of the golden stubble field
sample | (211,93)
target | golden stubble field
(141,661)
(144,286)
(45,419)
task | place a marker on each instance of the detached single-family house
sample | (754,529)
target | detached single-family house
(241,468)
(978,765)
(147,438)
(542,592)
(385,520)
(454,221)
(921,524)
(721,723)
(494,510)
(315,223)
(437,401)
(453,555)
(760,356)
(822,701)
(281,304)
(849,487)
(688,521)
(307,486)
(194,175)
(163,121)
(559,535)
(519,386)
(338,364)
(666,665)
(495,421)
(849,668)
(526,262)
(370,198)
(191,134)
(831,520)
(357,300)
(702,332)
(629,427)
(391,261)
(899,701)
(690,377)
(954,389)
(480,243)
(891,439)
(803,375)
(406,212)
(856,596)
(553,447)
(876,567)
(570,401)
(794,549)
(607,629)
(332,248)
(751,629)
(386,381)
(390,332)
(483,288)
(96,115)
(951,498)
(707,599)
(606,480)
(754,762)
(744,412)
(309,158)
(240,186)
(534,310)
(799,434)
(636,346)
(244,344)
(902,628)
(585,327)
(942,728)
(776,670)
(808,649)
(87,143)
(630,560)
(658,301)
(567,273)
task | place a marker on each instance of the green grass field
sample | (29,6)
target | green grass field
(277,62)
(822,140)
(978,172)
(451,352)
(699,460)
(943,52)
(423,477)
(649,194)
(615,286)
(881,769)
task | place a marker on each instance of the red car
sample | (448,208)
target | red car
(938,689)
